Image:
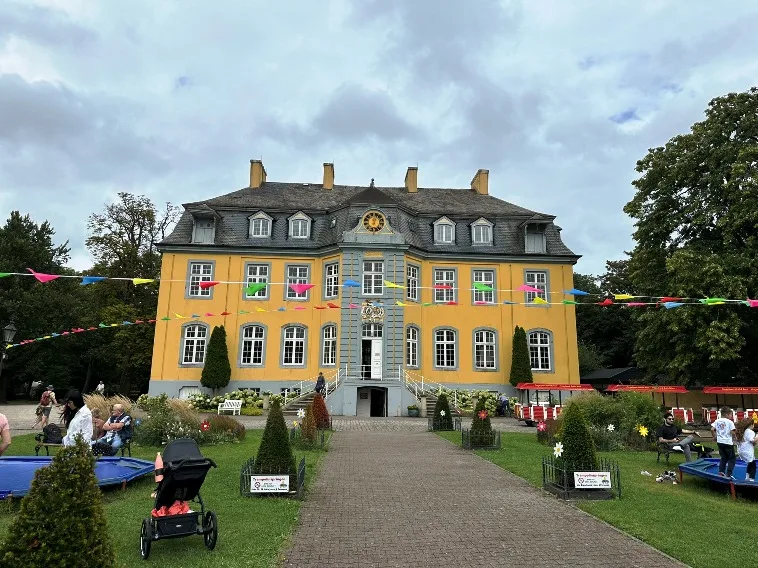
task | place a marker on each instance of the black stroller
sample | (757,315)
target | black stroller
(184,471)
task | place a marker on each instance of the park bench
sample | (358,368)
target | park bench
(126,446)
(701,438)
(233,406)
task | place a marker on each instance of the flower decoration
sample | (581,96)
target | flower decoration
(294,423)
(643,431)
(442,413)
(482,414)
(558,450)
(541,426)
(137,422)
(301,413)
(611,427)
(205,426)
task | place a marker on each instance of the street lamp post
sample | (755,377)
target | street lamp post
(9,332)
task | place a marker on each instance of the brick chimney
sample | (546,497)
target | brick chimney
(328,176)
(411,180)
(257,173)
(480,183)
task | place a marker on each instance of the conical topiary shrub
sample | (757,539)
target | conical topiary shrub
(61,521)
(578,447)
(216,369)
(443,419)
(481,427)
(521,365)
(320,413)
(275,452)
(308,427)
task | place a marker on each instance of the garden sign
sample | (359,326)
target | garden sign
(269,483)
(592,479)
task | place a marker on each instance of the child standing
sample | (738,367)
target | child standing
(746,449)
(724,433)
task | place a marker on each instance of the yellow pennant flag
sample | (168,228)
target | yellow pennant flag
(389,284)
(260,310)
(180,316)
(538,300)
(399,303)
(623,297)
(136,281)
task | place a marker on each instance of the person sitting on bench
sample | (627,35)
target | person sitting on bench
(116,429)
(668,433)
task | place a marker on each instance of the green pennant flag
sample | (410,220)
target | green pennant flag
(102,325)
(4,274)
(569,302)
(482,287)
(253,289)
(166,319)
(714,301)
(243,312)
(428,304)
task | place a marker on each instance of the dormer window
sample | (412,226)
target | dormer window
(481,232)
(300,226)
(260,225)
(203,231)
(444,231)
(535,238)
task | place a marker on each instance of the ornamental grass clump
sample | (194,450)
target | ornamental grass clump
(308,427)
(61,521)
(481,427)
(320,413)
(578,446)
(442,418)
(275,452)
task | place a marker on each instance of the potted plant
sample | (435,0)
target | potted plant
(413,411)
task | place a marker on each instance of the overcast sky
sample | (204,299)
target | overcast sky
(173,98)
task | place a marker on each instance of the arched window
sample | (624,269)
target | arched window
(445,348)
(411,346)
(329,346)
(485,349)
(540,350)
(293,346)
(194,339)
(253,345)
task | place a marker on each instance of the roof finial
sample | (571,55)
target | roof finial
(372,182)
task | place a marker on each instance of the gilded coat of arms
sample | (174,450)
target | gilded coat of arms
(371,313)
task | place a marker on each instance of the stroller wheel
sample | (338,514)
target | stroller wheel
(210,530)
(146,538)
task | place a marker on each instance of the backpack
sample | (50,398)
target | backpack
(52,434)
(45,399)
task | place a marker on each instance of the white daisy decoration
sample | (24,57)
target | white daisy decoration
(611,427)
(442,413)
(558,450)
(301,413)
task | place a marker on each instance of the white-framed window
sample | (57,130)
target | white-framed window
(260,225)
(203,231)
(536,279)
(257,273)
(539,350)
(444,348)
(481,232)
(486,277)
(444,231)
(444,277)
(200,272)
(300,226)
(329,346)
(485,349)
(411,346)
(411,282)
(293,349)
(535,239)
(297,274)
(253,342)
(332,280)
(373,277)
(371,330)
(193,344)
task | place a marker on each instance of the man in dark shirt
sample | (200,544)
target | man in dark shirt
(668,433)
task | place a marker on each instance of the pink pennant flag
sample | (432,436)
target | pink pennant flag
(635,304)
(208,315)
(442,287)
(752,303)
(43,277)
(525,288)
(301,288)
(208,284)
(299,308)
(480,303)
(353,306)
(138,321)
(150,321)
(66,333)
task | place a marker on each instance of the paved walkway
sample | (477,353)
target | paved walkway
(405,498)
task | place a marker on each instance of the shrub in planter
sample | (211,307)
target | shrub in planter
(227,425)
(578,446)
(481,427)
(308,427)
(61,521)
(443,419)
(320,413)
(275,452)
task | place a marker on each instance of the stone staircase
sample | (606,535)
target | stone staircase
(431,402)
(290,411)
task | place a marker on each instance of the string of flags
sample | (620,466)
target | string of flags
(76,330)
(251,289)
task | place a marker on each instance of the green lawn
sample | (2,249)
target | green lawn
(252,531)
(693,522)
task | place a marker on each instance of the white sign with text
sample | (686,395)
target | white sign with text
(592,479)
(269,483)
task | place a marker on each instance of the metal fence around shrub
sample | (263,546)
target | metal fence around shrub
(296,438)
(439,424)
(559,476)
(480,441)
(249,469)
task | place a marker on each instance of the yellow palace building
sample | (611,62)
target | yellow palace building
(376,287)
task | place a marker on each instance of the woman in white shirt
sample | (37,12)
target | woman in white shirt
(746,446)
(78,419)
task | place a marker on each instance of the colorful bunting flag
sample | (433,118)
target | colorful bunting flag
(569,302)
(442,287)
(752,303)
(389,284)
(399,303)
(623,297)
(332,305)
(43,277)
(351,284)
(253,289)
(635,304)
(91,280)
(207,284)
(482,287)
(4,274)
(138,281)
(525,288)
(669,305)
(300,288)
(353,306)
(538,300)
(225,313)
(575,292)
(606,302)
(665,299)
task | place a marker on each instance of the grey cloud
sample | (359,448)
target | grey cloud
(41,25)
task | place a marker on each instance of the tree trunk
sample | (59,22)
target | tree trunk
(88,378)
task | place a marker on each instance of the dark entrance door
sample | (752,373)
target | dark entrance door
(378,402)
(366,359)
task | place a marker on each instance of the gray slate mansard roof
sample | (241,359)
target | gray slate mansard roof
(410,214)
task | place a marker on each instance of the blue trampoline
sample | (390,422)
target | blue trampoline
(708,468)
(17,472)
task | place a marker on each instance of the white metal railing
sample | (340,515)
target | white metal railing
(301,388)
(420,385)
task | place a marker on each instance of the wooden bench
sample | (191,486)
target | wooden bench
(665,450)
(126,446)
(235,406)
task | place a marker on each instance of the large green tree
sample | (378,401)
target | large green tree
(696,233)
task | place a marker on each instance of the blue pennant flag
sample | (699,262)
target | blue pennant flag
(575,292)
(91,280)
(669,305)
(509,303)
(126,323)
(351,284)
